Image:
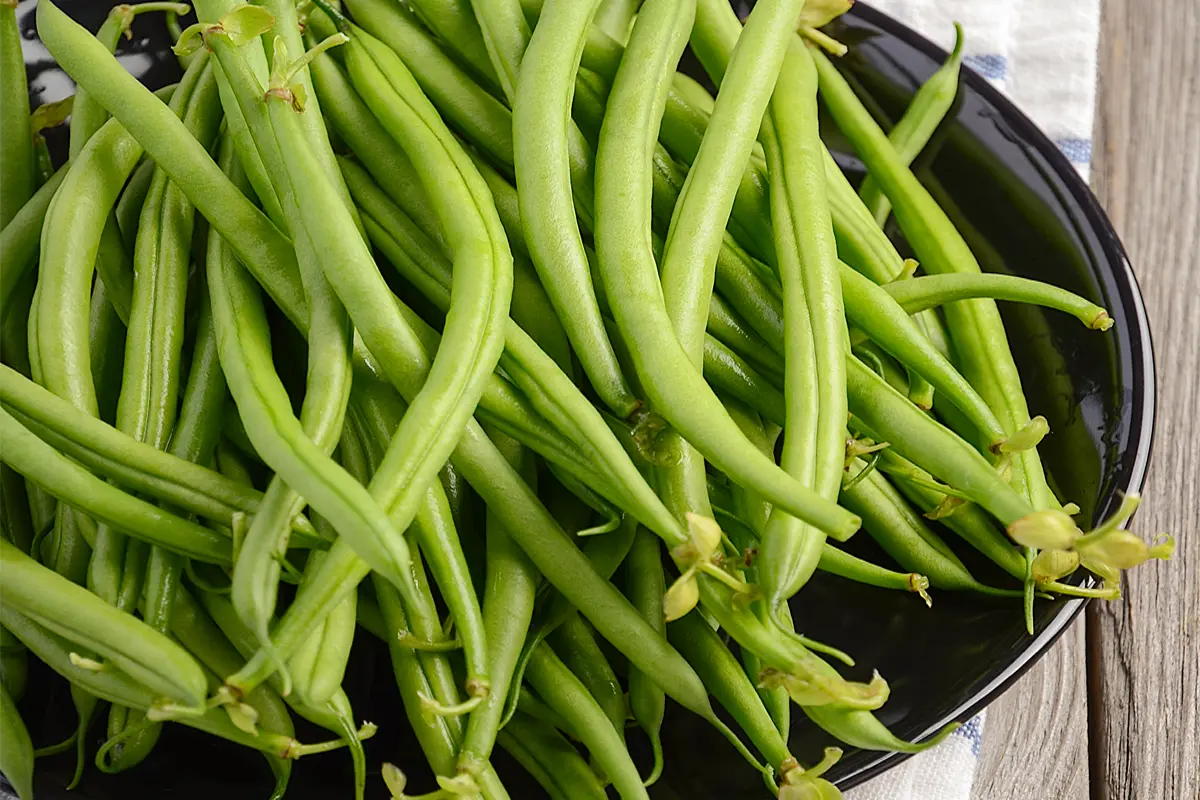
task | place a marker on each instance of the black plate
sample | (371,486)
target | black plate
(1025,211)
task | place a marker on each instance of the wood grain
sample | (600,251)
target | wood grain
(1143,655)
(1144,666)
(1035,739)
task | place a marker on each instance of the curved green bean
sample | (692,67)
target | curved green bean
(72,612)
(568,695)
(541,123)
(924,114)
(17,170)
(929,291)
(630,279)
(16,748)
(69,482)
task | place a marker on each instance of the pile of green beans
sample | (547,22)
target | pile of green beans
(487,302)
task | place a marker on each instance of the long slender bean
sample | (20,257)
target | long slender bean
(567,694)
(42,464)
(17,162)
(541,124)
(645,586)
(16,748)
(925,112)
(630,280)
(918,294)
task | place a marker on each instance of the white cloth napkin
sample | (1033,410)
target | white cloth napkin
(1043,56)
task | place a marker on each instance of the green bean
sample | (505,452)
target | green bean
(925,112)
(64,284)
(106,348)
(330,339)
(87,115)
(256,241)
(101,447)
(889,414)
(318,666)
(551,759)
(69,482)
(482,281)
(336,715)
(16,748)
(531,704)
(727,371)
(374,146)
(887,324)
(434,733)
(645,586)
(506,37)
(968,521)
(605,554)
(452,20)
(245,358)
(628,269)
(17,162)
(903,534)
(982,348)
(918,294)
(133,197)
(707,194)
(838,562)
(541,127)
(574,643)
(727,326)
(19,238)
(287,32)
(75,613)
(204,640)
(567,694)
(724,677)
(119,687)
(468,107)
(509,590)
(148,401)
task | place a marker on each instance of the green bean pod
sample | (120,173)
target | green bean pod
(16,748)
(925,112)
(838,562)
(260,245)
(17,174)
(567,694)
(60,476)
(645,585)
(935,448)
(509,589)
(245,357)
(134,464)
(73,612)
(541,123)
(918,294)
(630,279)
(981,344)
(901,532)
(467,106)
(453,22)
(482,281)
(574,643)
(20,238)
(550,759)
(724,677)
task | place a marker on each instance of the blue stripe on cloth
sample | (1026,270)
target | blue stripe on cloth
(972,731)
(991,66)
(1079,151)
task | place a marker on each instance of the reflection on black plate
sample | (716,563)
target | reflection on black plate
(1024,211)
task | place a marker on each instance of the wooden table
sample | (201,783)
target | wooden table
(1113,711)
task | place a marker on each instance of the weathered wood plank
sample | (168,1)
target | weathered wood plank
(1145,652)
(1035,740)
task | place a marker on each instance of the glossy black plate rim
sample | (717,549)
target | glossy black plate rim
(1143,397)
